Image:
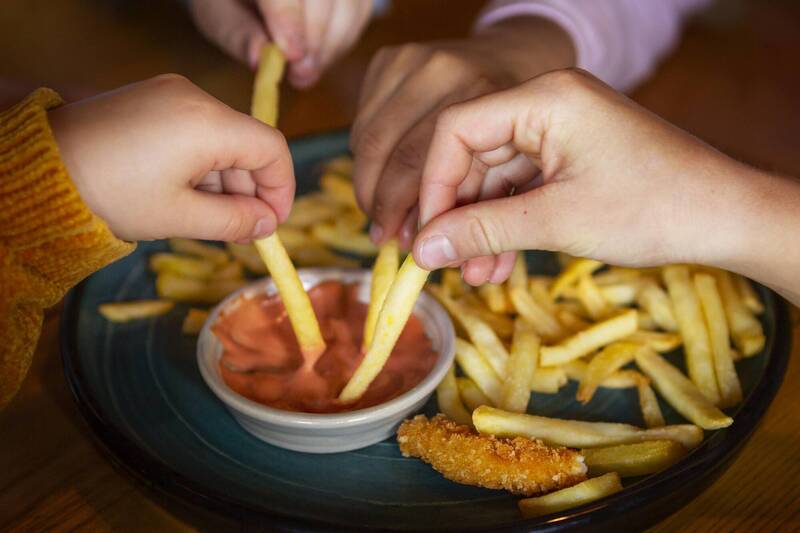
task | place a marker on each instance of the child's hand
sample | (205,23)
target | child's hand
(312,34)
(615,183)
(162,158)
(404,91)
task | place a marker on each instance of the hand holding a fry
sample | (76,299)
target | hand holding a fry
(615,183)
(312,34)
(161,158)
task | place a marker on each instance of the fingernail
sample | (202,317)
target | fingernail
(263,227)
(436,252)
(375,233)
(307,65)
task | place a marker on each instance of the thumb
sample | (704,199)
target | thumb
(284,20)
(223,217)
(525,222)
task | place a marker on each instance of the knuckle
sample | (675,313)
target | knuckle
(236,227)
(406,157)
(369,144)
(484,234)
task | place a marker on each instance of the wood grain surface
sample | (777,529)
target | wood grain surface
(733,81)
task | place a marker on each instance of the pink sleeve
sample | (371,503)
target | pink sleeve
(619,41)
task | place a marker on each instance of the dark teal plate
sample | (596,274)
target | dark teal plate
(139,388)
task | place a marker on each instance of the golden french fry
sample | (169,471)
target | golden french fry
(656,302)
(646,321)
(182,265)
(689,316)
(570,320)
(577,433)
(748,294)
(730,390)
(232,270)
(471,394)
(573,271)
(383,273)
(452,282)
(194,321)
(658,340)
(134,310)
(503,325)
(522,362)
(648,403)
(478,369)
(199,249)
(539,287)
(736,355)
(264,106)
(619,294)
(584,492)
(339,189)
(548,380)
(621,379)
(174,287)
(680,392)
(632,460)
(295,299)
(609,360)
(480,333)
(311,209)
(317,255)
(351,242)
(495,297)
(342,165)
(449,401)
(589,295)
(586,341)
(351,221)
(294,238)
(397,307)
(540,319)
(248,256)
(519,274)
(615,275)
(746,330)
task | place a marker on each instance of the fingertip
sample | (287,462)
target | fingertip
(264,227)
(478,270)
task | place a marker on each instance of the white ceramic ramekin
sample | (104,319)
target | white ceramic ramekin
(327,433)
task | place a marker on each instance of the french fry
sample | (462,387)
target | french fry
(194,320)
(730,390)
(339,189)
(265,89)
(746,330)
(544,323)
(294,238)
(182,265)
(609,360)
(452,283)
(680,392)
(589,295)
(648,403)
(503,325)
(621,379)
(656,302)
(248,256)
(584,492)
(619,294)
(295,299)
(539,288)
(570,320)
(632,460)
(548,380)
(576,433)
(479,371)
(471,395)
(397,307)
(495,298)
(748,294)
(174,287)
(351,221)
(522,362)
(383,274)
(196,248)
(689,316)
(615,275)
(354,243)
(312,209)
(590,339)
(342,165)
(449,401)
(660,341)
(646,321)
(134,310)
(233,270)
(573,271)
(317,255)
(480,333)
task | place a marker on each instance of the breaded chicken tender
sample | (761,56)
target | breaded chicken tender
(523,466)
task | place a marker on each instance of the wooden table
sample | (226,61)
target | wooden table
(734,82)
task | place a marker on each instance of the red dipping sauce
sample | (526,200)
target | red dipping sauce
(262,360)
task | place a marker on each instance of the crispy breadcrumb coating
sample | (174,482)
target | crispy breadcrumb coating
(523,466)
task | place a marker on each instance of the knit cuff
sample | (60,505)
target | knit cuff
(43,221)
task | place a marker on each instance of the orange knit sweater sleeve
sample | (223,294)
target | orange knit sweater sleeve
(49,239)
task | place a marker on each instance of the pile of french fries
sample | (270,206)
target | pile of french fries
(604,327)
(322,226)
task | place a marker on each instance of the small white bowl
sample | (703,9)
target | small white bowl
(337,432)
